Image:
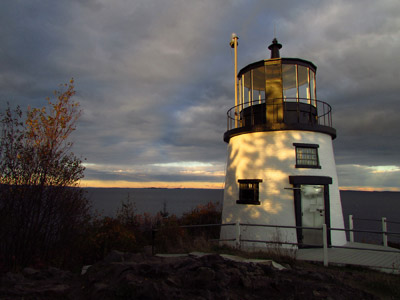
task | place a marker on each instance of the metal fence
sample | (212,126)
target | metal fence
(326,231)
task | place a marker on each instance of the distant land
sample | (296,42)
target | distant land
(362,205)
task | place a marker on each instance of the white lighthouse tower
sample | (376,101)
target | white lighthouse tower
(280,167)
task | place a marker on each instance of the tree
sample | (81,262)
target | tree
(41,206)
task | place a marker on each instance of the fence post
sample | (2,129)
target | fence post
(384,232)
(237,227)
(153,239)
(325,241)
(351,227)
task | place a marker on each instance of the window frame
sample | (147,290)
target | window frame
(249,195)
(307,146)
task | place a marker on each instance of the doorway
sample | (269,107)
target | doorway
(311,202)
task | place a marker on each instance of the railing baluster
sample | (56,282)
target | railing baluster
(384,232)
(325,244)
(351,227)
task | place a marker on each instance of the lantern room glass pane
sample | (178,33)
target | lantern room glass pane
(259,79)
(247,88)
(247,82)
(273,81)
(303,82)
(289,82)
(259,96)
(312,85)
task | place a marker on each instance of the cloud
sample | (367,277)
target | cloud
(155,78)
(369,177)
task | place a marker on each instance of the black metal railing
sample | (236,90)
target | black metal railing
(288,111)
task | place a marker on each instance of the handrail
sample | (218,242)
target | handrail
(280,226)
(375,220)
(285,226)
(370,220)
(320,112)
(392,222)
(365,231)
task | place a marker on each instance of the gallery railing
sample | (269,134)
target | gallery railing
(288,110)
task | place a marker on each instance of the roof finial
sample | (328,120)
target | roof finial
(274,47)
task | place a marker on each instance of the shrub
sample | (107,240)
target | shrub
(102,236)
(203,214)
(41,208)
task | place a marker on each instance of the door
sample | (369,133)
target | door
(312,213)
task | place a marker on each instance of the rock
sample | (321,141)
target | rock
(204,277)
(58,273)
(11,278)
(139,276)
(29,272)
(114,256)
(84,269)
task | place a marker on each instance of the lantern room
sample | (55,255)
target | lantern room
(278,94)
(287,79)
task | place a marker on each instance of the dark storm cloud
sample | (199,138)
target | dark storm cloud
(154,78)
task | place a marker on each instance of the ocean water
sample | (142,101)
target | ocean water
(177,201)
(362,205)
(368,206)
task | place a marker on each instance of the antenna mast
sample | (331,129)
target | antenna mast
(234,43)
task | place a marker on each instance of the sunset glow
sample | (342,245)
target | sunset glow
(169,185)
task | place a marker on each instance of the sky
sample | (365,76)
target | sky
(155,79)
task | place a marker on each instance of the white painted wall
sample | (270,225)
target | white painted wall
(271,156)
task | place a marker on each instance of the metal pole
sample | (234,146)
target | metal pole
(251,87)
(234,45)
(325,240)
(240,105)
(384,232)
(351,227)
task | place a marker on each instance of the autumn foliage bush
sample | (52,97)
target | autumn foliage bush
(209,213)
(42,210)
(176,235)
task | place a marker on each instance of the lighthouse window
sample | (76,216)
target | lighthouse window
(307,156)
(249,191)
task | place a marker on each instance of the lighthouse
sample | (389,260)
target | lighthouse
(281,169)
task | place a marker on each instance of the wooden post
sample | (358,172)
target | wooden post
(153,239)
(237,227)
(325,240)
(351,227)
(384,232)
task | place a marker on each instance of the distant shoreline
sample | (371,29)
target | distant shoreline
(165,188)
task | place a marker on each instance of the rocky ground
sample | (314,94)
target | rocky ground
(140,276)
